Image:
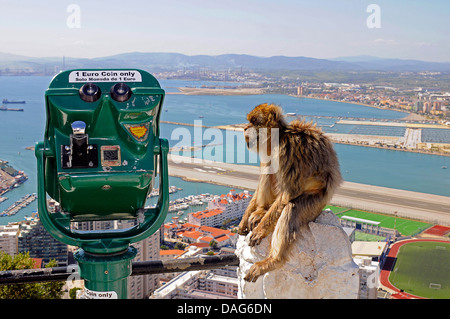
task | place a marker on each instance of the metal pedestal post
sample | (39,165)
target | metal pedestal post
(105,276)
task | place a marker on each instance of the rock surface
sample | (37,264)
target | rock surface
(320,266)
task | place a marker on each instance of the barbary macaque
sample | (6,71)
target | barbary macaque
(302,177)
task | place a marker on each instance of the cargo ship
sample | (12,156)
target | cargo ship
(6,101)
(4,108)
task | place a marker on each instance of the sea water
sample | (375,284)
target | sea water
(381,167)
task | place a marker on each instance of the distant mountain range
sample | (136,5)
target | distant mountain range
(158,62)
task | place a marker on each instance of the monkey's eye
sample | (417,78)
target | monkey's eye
(254,120)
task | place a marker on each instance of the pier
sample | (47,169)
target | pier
(18,205)
(409,141)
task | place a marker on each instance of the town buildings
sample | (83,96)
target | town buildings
(200,284)
(8,239)
(199,238)
(222,210)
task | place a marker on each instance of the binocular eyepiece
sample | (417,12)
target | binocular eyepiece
(90,92)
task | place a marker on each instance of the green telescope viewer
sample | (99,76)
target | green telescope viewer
(100,155)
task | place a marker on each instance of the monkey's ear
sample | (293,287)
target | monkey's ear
(276,113)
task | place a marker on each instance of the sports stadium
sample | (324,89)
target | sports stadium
(418,268)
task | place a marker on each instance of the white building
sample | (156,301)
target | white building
(367,256)
(369,275)
(8,239)
(209,217)
(200,284)
(222,209)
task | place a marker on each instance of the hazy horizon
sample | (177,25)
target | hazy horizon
(337,58)
(326,29)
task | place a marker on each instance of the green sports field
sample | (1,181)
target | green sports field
(423,269)
(406,227)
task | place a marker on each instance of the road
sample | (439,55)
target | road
(421,206)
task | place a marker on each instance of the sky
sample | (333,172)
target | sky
(403,29)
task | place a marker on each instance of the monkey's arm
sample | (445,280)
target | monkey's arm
(259,204)
(268,221)
(244,225)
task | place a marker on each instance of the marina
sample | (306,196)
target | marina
(18,205)
(192,200)
(180,205)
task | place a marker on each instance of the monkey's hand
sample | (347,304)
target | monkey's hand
(243,226)
(257,235)
(255,217)
(254,272)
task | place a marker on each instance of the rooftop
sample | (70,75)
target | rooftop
(367,248)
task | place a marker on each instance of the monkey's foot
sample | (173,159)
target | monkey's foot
(257,270)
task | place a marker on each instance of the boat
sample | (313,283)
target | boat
(444,167)
(6,101)
(4,108)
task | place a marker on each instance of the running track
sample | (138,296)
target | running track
(389,264)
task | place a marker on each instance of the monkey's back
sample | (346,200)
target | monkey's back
(306,152)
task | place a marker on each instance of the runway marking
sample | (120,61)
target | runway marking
(226,172)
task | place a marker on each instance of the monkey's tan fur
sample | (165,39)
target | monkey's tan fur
(295,194)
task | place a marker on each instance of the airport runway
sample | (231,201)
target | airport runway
(421,206)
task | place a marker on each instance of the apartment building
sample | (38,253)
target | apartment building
(369,273)
(8,239)
(36,240)
(140,287)
(222,209)
(200,284)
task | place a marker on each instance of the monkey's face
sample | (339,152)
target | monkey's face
(266,115)
(262,119)
(251,137)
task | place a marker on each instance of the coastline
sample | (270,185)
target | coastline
(410,204)
(240,127)
(334,139)
(209,91)
(417,116)
(256,91)
(373,143)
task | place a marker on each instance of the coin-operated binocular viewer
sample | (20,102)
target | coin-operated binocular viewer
(99,159)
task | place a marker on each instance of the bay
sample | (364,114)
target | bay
(389,168)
